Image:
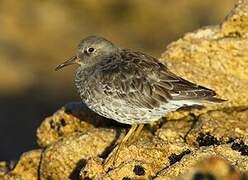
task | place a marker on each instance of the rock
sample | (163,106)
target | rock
(219,126)
(139,160)
(73,117)
(27,166)
(216,161)
(241,146)
(93,169)
(213,167)
(67,156)
(60,124)
(3,168)
(176,130)
(131,170)
(216,57)
(236,23)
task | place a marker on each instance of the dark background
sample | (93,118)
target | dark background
(35,35)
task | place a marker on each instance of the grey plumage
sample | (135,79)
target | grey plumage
(129,86)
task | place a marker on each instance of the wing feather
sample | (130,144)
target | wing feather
(142,81)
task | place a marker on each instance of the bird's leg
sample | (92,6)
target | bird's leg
(136,134)
(115,153)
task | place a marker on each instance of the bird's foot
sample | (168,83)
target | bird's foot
(110,161)
(129,138)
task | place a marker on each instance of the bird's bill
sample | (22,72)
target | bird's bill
(68,62)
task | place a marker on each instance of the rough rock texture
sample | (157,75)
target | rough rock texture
(210,143)
(219,126)
(27,167)
(3,168)
(73,117)
(209,166)
(65,157)
(189,162)
(146,155)
(216,56)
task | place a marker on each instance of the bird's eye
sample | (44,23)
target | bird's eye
(90,50)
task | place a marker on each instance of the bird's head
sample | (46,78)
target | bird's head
(90,50)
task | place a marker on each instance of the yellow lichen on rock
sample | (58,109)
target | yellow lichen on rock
(236,23)
(3,168)
(57,126)
(219,126)
(27,166)
(202,164)
(73,117)
(64,157)
(140,160)
(216,57)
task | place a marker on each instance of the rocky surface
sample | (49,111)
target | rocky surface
(65,157)
(73,117)
(216,56)
(203,164)
(27,167)
(210,143)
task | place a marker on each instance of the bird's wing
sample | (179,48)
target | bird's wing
(144,82)
(177,87)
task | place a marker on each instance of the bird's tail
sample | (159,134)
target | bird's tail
(214,100)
